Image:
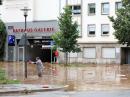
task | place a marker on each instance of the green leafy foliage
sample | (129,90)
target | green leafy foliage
(66,38)
(57,38)
(3,35)
(68,31)
(2,74)
(121,23)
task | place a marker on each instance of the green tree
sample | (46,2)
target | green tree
(66,38)
(3,35)
(121,23)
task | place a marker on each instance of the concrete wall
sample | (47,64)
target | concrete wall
(99,59)
(45,9)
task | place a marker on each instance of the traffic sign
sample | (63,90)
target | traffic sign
(23,41)
(51,43)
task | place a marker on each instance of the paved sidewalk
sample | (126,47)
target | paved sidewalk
(27,88)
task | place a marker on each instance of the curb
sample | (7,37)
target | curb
(27,91)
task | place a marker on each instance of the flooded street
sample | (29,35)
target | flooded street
(87,80)
(87,77)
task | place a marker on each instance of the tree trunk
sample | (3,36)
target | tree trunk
(65,67)
(66,55)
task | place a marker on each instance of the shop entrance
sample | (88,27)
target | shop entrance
(38,51)
(39,48)
(125,55)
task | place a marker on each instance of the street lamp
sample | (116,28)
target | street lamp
(25,10)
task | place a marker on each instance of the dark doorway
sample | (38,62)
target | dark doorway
(125,55)
(35,49)
(46,55)
(38,51)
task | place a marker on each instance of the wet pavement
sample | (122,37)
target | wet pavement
(115,93)
(102,80)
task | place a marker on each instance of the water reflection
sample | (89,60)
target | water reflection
(15,70)
(100,77)
(99,73)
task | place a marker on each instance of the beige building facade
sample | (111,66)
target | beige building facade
(97,42)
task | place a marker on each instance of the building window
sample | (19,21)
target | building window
(76,9)
(105,8)
(118,5)
(108,53)
(91,30)
(105,29)
(90,52)
(91,9)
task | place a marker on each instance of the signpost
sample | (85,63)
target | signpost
(51,43)
(23,40)
(11,40)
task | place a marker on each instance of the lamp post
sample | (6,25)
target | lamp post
(25,10)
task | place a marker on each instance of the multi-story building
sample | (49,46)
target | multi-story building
(97,42)
(41,24)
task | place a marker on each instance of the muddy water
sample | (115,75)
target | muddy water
(89,77)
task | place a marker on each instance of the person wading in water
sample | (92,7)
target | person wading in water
(39,66)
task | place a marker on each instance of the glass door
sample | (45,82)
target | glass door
(21,54)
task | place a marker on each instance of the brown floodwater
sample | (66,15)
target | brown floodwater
(87,77)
